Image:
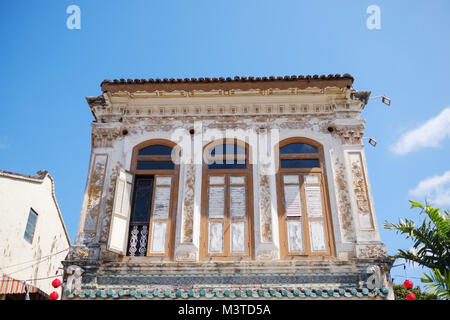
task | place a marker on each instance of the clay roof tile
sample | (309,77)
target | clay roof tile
(237,82)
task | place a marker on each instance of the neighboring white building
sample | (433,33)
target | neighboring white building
(33,237)
(228,188)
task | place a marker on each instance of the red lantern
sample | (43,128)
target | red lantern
(56,283)
(411,296)
(54,295)
(408,284)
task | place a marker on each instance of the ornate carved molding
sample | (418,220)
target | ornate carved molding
(360,192)
(78,253)
(266,90)
(267,255)
(315,123)
(350,134)
(107,211)
(344,204)
(371,251)
(122,111)
(186,256)
(265,209)
(188,205)
(104,137)
(95,192)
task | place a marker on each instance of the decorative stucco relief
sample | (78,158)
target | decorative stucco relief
(350,135)
(265,209)
(371,251)
(85,238)
(138,126)
(95,191)
(107,211)
(188,205)
(186,256)
(116,108)
(79,253)
(267,255)
(344,204)
(104,137)
(360,192)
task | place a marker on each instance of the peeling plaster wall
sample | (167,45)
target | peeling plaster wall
(16,198)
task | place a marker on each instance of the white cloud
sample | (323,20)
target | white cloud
(435,189)
(428,135)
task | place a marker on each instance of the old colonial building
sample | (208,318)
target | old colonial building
(228,188)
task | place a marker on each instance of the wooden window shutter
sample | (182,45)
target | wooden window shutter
(118,233)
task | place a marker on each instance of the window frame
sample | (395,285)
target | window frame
(30,212)
(307,253)
(173,206)
(247,173)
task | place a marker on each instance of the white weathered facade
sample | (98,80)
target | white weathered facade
(262,114)
(38,258)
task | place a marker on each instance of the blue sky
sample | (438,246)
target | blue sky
(47,70)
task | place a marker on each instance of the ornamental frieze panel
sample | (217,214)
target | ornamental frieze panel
(188,205)
(119,113)
(360,191)
(109,199)
(332,90)
(78,253)
(344,204)
(265,209)
(95,192)
(186,256)
(139,126)
(371,251)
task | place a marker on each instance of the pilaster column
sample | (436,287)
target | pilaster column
(91,219)
(367,238)
(266,245)
(188,244)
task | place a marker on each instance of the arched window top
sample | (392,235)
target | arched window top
(156,149)
(226,154)
(299,153)
(293,148)
(228,149)
(156,154)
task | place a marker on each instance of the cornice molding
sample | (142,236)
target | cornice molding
(119,113)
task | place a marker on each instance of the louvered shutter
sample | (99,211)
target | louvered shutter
(118,233)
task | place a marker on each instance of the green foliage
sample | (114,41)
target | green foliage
(431,238)
(431,244)
(400,293)
(438,283)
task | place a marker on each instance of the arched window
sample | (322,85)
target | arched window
(304,220)
(154,200)
(226,222)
